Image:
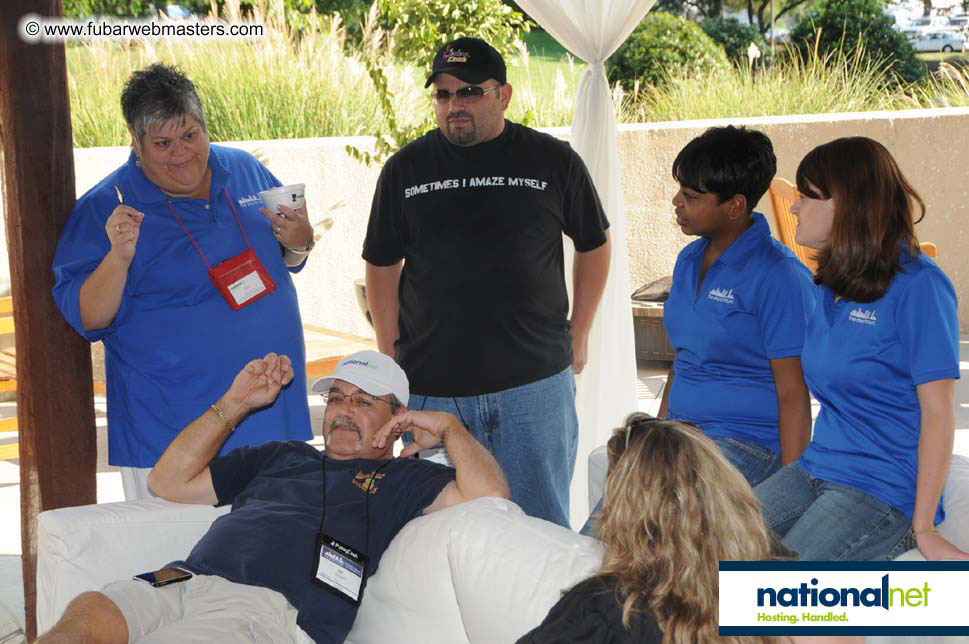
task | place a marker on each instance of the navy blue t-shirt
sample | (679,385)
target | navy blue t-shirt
(269,537)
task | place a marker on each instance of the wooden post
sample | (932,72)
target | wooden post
(55,404)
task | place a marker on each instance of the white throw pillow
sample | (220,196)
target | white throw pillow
(509,569)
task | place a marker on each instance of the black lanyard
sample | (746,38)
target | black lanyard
(366,491)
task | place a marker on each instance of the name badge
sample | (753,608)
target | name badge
(242,279)
(340,569)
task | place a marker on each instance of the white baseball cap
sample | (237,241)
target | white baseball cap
(374,372)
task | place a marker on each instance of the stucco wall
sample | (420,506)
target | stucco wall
(931,146)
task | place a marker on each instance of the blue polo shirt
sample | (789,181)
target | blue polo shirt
(862,362)
(175,345)
(749,310)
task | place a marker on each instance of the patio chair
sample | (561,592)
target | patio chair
(8,378)
(783,194)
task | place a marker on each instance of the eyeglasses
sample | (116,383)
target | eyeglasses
(469,94)
(359,399)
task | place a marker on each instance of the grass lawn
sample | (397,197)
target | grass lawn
(542,46)
(933,58)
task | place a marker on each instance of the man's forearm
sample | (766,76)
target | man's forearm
(382,284)
(478,473)
(193,449)
(589,273)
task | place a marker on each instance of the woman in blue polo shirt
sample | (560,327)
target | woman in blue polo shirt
(736,311)
(141,265)
(881,354)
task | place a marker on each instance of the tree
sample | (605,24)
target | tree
(858,28)
(734,36)
(423,26)
(760,9)
(664,46)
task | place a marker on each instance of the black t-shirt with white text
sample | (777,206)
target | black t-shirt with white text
(483,300)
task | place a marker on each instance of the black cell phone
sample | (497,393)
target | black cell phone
(164,576)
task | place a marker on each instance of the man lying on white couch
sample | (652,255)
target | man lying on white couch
(305,530)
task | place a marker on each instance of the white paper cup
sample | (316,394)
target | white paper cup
(291,196)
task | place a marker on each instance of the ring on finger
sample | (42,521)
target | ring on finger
(117,228)
(277,229)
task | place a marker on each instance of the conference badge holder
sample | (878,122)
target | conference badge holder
(242,279)
(340,569)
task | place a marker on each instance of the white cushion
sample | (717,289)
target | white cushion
(598,470)
(410,598)
(83,548)
(509,569)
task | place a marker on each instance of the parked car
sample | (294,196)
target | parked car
(937,41)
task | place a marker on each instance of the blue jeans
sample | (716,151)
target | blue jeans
(825,521)
(533,433)
(754,461)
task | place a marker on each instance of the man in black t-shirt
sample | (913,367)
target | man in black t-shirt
(306,529)
(465,274)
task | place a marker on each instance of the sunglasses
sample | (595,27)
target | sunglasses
(470,94)
(637,426)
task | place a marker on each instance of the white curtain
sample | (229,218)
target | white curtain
(592,30)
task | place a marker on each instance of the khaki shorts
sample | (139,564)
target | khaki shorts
(205,609)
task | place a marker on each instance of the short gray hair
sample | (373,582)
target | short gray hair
(157,94)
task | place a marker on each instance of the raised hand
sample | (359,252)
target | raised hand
(259,382)
(428,427)
(123,228)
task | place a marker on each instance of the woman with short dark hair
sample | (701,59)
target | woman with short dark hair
(172,262)
(881,354)
(736,310)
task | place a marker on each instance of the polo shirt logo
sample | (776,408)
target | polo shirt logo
(863,317)
(720,295)
(249,200)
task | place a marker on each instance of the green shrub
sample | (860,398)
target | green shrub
(664,46)
(421,27)
(735,37)
(858,27)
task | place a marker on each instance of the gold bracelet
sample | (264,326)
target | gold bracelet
(222,416)
(916,533)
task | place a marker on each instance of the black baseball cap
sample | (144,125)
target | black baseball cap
(470,59)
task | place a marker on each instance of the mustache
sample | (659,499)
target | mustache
(341,421)
(459,115)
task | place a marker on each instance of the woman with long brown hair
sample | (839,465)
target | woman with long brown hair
(881,354)
(674,507)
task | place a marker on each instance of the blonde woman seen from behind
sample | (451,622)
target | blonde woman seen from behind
(674,507)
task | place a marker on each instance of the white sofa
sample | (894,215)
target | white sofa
(478,573)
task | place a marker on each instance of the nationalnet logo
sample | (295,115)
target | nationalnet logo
(863,598)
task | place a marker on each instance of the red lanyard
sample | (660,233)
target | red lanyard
(199,250)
